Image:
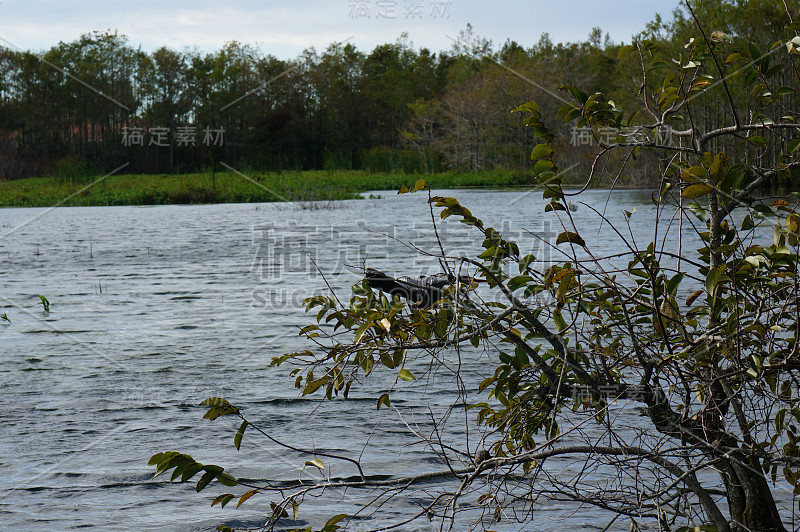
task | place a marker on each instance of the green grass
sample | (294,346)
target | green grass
(225,187)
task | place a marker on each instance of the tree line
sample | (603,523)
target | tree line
(88,106)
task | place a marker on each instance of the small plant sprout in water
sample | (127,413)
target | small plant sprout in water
(45,303)
(4,317)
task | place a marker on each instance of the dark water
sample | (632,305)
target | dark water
(156,308)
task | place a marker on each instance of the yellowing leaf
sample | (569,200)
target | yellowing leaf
(316,462)
(246,496)
(696,190)
(793,223)
(223,499)
(719,167)
(694,174)
(691,299)
(405,375)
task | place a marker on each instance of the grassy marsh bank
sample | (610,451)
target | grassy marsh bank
(225,187)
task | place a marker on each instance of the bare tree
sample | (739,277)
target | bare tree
(704,341)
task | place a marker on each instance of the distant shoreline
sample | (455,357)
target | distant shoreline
(232,187)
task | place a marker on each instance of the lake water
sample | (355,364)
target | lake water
(154,309)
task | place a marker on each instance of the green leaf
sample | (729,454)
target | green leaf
(525,262)
(672,285)
(309,328)
(315,385)
(329,526)
(542,165)
(207,477)
(625,50)
(361,330)
(518,282)
(757,140)
(554,206)
(405,375)
(226,480)
(792,145)
(191,470)
(215,401)
(576,93)
(755,54)
(762,209)
(736,56)
(170,459)
(714,277)
(388,360)
(540,151)
(383,400)
(559,320)
(419,185)
(399,356)
(563,285)
(733,179)
(237,439)
(568,236)
(219,407)
(278,511)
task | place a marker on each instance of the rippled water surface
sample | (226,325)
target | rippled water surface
(156,308)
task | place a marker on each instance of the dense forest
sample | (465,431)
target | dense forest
(88,106)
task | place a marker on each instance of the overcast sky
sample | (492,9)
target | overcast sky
(284,29)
